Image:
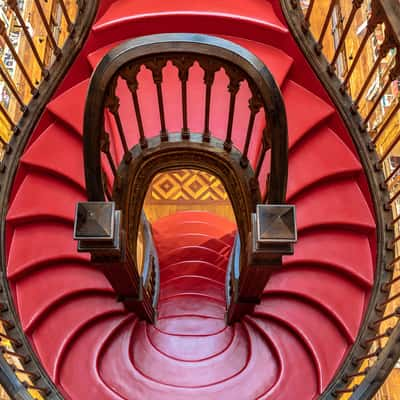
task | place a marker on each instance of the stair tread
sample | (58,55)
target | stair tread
(49,339)
(42,196)
(322,334)
(340,203)
(256,11)
(312,154)
(53,142)
(314,284)
(338,251)
(39,291)
(41,242)
(69,106)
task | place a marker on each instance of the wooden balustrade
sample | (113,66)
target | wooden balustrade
(33,37)
(126,162)
(363,59)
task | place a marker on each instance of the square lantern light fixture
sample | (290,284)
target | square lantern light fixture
(98,228)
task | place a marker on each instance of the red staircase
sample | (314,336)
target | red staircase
(312,309)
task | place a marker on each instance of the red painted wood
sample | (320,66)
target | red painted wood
(297,337)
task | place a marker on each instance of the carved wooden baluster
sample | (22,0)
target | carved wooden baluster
(388,119)
(10,85)
(235,78)
(129,74)
(356,6)
(3,34)
(266,145)
(105,148)
(255,103)
(50,36)
(13,4)
(156,66)
(210,67)
(327,21)
(64,10)
(309,11)
(374,20)
(5,114)
(387,44)
(183,64)
(393,74)
(106,184)
(112,103)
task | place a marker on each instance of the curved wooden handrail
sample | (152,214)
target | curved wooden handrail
(195,45)
(376,348)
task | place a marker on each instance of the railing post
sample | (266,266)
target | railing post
(98,231)
(273,235)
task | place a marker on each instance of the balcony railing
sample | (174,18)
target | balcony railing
(119,163)
(38,41)
(355,49)
(32,35)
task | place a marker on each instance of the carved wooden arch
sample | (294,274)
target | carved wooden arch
(196,45)
(135,178)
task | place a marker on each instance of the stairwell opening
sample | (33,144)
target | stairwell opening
(193,227)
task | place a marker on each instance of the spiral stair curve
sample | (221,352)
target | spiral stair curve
(312,309)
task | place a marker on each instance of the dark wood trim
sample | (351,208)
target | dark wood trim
(376,181)
(10,163)
(195,45)
(133,179)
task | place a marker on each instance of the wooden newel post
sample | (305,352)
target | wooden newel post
(273,235)
(98,231)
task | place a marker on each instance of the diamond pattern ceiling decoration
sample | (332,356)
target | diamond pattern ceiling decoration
(187,185)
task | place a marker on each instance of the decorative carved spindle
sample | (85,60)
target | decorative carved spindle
(325,25)
(112,103)
(43,390)
(391,200)
(210,67)
(273,234)
(13,4)
(50,36)
(15,342)
(106,184)
(394,314)
(387,44)
(129,74)
(338,392)
(24,358)
(374,20)
(394,72)
(156,66)
(388,119)
(392,174)
(387,333)
(183,64)
(105,148)
(309,10)
(266,144)
(3,34)
(10,85)
(98,229)
(70,25)
(34,377)
(235,78)
(255,104)
(4,112)
(356,6)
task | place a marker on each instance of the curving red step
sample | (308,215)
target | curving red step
(88,344)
